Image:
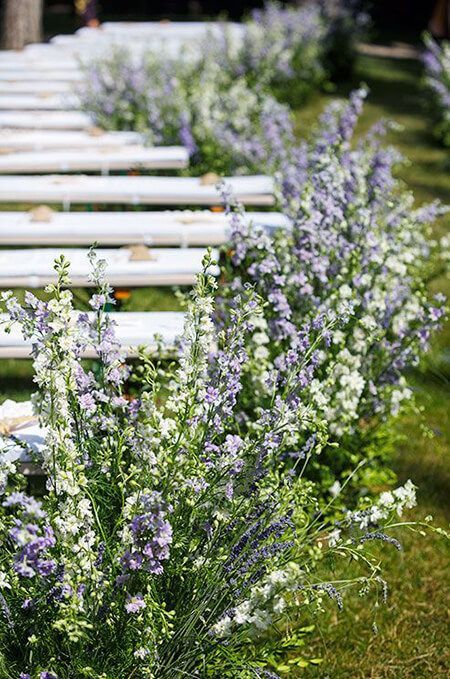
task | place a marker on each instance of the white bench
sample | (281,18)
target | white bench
(101,159)
(132,330)
(45,120)
(27,74)
(34,268)
(168,228)
(35,86)
(17,418)
(73,52)
(180,29)
(68,189)
(27,62)
(38,140)
(38,102)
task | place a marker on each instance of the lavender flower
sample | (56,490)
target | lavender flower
(134,604)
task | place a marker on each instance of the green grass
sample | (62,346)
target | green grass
(413,627)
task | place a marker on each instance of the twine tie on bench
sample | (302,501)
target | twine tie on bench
(95,131)
(9,425)
(209,179)
(42,213)
(140,253)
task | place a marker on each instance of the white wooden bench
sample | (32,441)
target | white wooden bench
(126,267)
(36,86)
(38,102)
(28,74)
(27,63)
(182,29)
(132,329)
(169,228)
(101,159)
(38,140)
(17,420)
(69,189)
(45,120)
(72,53)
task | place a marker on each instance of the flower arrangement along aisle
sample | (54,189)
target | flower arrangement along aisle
(357,250)
(166,544)
(174,101)
(291,50)
(281,50)
(217,98)
(436,60)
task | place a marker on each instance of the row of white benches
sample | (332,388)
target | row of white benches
(46,140)
(42,131)
(146,259)
(129,267)
(64,52)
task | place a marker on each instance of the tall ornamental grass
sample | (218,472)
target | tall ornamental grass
(358,254)
(169,542)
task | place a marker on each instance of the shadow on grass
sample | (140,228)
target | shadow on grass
(16,379)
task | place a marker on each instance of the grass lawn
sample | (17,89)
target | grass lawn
(413,626)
